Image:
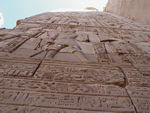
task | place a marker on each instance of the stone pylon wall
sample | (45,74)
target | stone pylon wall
(75,63)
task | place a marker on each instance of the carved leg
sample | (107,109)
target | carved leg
(80,55)
(53,52)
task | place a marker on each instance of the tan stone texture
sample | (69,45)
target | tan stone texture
(137,10)
(75,62)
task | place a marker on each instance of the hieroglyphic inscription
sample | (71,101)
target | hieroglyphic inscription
(84,75)
(76,102)
(75,63)
(14,69)
(59,87)
(33,109)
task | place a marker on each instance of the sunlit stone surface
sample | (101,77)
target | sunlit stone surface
(137,10)
(75,63)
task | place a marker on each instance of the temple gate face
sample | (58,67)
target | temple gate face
(75,63)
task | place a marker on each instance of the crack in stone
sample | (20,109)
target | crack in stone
(131,100)
(39,64)
(124,86)
(125,77)
(121,83)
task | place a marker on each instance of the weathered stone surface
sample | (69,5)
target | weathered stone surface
(75,63)
(137,10)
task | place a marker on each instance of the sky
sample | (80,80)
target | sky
(13,10)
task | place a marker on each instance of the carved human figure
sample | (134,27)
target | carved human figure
(56,43)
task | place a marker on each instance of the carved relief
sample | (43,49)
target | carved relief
(59,87)
(101,53)
(74,63)
(81,75)
(12,69)
(12,46)
(78,102)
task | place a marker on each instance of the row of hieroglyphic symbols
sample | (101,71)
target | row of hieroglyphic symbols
(80,75)
(72,74)
(14,69)
(60,87)
(56,100)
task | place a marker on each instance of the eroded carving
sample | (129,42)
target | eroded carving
(75,63)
